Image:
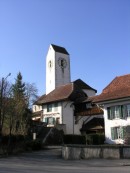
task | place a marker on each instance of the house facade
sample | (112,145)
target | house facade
(74,106)
(59,107)
(115,101)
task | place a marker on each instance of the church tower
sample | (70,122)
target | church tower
(57,67)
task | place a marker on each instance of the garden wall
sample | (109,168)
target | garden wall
(95,151)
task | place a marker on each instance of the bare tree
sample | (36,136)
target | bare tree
(5,91)
(15,105)
(31,93)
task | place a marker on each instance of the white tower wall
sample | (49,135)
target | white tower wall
(56,74)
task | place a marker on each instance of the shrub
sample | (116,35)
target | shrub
(11,143)
(33,145)
(95,139)
(74,139)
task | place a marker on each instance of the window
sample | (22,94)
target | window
(55,107)
(57,120)
(49,108)
(118,132)
(119,111)
(128,110)
(50,120)
(111,112)
(116,112)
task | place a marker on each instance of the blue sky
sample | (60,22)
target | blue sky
(96,33)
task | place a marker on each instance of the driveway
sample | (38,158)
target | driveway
(47,161)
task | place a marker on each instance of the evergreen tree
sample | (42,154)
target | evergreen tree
(19,88)
(17,114)
(19,97)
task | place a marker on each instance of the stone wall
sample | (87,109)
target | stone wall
(76,152)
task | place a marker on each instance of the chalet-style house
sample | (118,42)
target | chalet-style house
(115,102)
(67,105)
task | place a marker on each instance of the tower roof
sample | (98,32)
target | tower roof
(59,49)
(83,85)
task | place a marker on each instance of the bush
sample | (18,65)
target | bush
(9,144)
(74,139)
(33,145)
(95,139)
(17,143)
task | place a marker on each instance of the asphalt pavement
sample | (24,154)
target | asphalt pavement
(50,160)
(53,153)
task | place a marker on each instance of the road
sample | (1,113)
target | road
(50,161)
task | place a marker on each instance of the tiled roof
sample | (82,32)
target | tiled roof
(60,93)
(117,89)
(39,99)
(65,92)
(90,112)
(60,49)
(83,85)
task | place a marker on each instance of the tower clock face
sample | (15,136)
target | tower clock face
(62,62)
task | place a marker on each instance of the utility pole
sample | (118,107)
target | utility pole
(1,100)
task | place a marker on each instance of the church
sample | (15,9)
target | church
(67,105)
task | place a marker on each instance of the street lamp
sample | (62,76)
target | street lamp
(1,100)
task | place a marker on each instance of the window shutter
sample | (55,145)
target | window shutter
(53,120)
(46,120)
(128,110)
(124,111)
(120,112)
(109,113)
(112,133)
(112,112)
(121,133)
(116,130)
(124,132)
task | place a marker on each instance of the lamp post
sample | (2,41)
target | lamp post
(1,100)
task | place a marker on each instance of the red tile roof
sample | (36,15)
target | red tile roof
(117,89)
(71,91)
(60,93)
(90,112)
(65,92)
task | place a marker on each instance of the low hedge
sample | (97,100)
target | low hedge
(12,144)
(74,139)
(33,145)
(95,139)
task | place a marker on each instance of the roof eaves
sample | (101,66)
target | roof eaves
(109,100)
(53,101)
